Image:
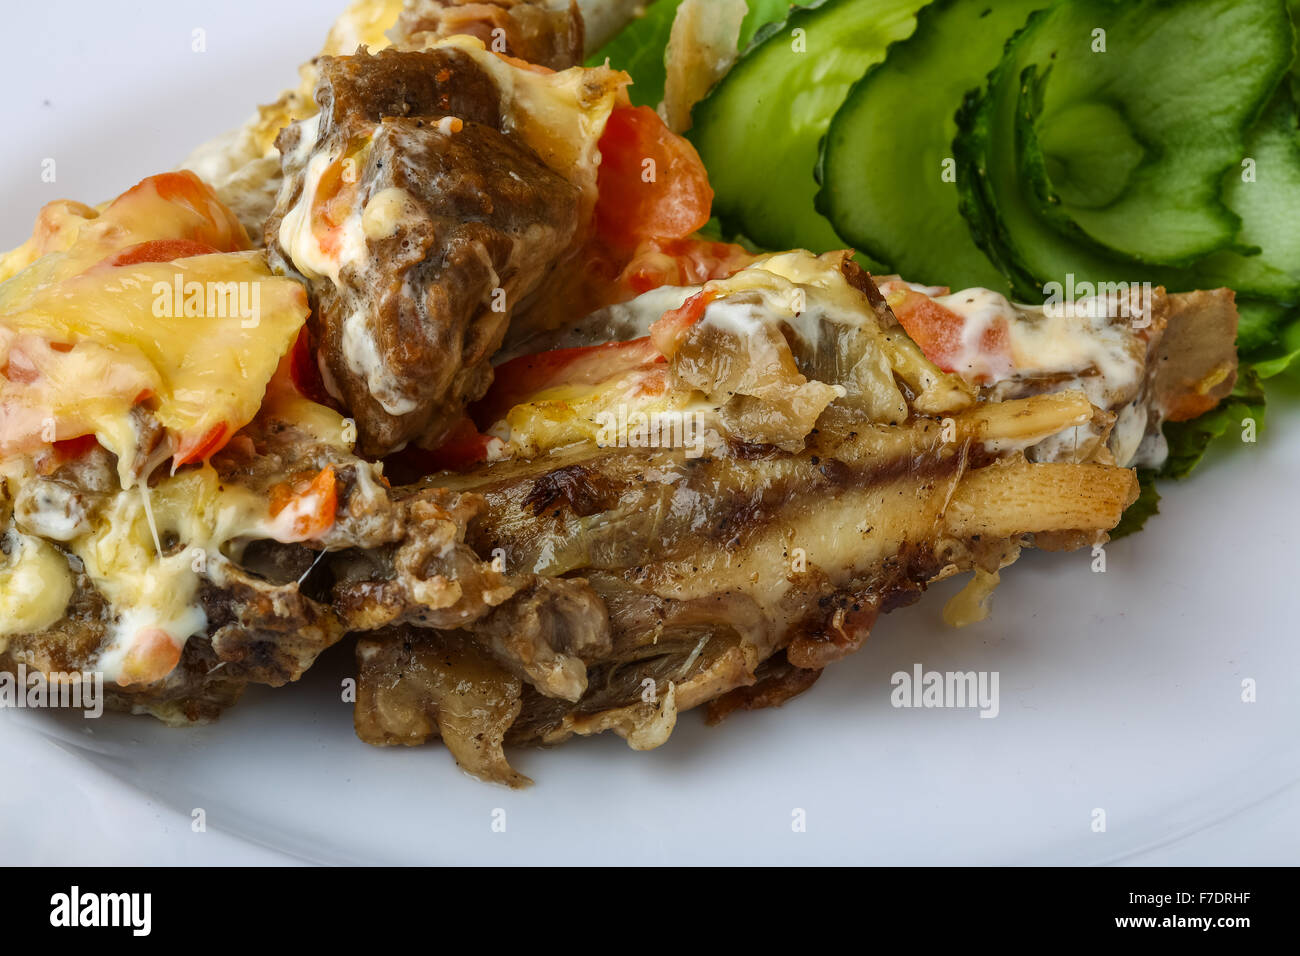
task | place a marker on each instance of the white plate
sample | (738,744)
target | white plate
(1120,691)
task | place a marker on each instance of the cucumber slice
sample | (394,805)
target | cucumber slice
(763,12)
(1000,155)
(1139,114)
(889,147)
(1003,216)
(1266,194)
(759,131)
(1295,66)
(1259,324)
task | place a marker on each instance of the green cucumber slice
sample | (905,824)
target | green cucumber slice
(1003,215)
(1139,114)
(1266,195)
(1000,157)
(759,131)
(887,173)
(1295,66)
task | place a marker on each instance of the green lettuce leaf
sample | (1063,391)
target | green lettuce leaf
(1147,504)
(639,49)
(1189,442)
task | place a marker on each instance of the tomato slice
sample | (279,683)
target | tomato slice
(182,186)
(161,250)
(941,334)
(520,379)
(668,331)
(211,442)
(682,262)
(70,449)
(304,371)
(652,183)
(212,223)
(153,655)
(313,505)
(525,65)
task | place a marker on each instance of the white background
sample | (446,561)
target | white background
(1118,690)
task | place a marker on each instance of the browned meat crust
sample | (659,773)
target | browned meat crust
(777,681)
(1195,365)
(405,334)
(674,547)
(443,685)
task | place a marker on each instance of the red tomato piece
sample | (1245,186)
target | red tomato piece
(668,331)
(203,448)
(652,183)
(520,379)
(161,250)
(682,262)
(940,333)
(316,504)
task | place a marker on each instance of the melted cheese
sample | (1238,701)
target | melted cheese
(798,292)
(1104,353)
(156,595)
(809,295)
(35,586)
(385,212)
(84,341)
(363,23)
(1091,345)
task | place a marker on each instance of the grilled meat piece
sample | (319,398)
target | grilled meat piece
(710,567)
(848,473)
(418,225)
(438,684)
(541,629)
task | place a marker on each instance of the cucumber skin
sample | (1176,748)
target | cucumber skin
(1052,211)
(1275,272)
(796,224)
(977,269)
(975,193)
(989,227)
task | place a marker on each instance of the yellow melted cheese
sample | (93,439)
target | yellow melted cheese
(83,341)
(797,291)
(35,586)
(194,517)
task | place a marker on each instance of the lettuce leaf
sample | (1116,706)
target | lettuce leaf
(639,49)
(1189,442)
(1147,504)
